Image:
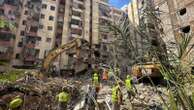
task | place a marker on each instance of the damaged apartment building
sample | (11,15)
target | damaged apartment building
(43,25)
(176,16)
(9,18)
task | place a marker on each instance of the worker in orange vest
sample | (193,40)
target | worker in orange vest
(105,75)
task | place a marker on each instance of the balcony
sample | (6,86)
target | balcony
(7,43)
(60,19)
(29,53)
(79,2)
(61,9)
(30,45)
(74,26)
(76,32)
(78,6)
(59,30)
(6,53)
(29,59)
(76,17)
(32,32)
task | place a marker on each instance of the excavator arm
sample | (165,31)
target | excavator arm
(52,55)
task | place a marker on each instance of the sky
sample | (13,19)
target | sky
(118,3)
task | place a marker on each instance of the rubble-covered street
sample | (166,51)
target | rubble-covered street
(39,93)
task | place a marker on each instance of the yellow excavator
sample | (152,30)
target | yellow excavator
(52,55)
(147,69)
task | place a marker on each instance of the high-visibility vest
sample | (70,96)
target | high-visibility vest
(192,97)
(95,80)
(63,97)
(115,94)
(15,103)
(128,84)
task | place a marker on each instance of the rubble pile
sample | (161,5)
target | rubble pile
(147,95)
(38,94)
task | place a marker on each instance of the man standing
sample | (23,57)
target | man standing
(95,81)
(128,85)
(116,97)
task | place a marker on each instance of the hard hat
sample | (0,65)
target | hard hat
(128,76)
(95,74)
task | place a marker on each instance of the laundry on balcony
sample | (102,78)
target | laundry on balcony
(3,49)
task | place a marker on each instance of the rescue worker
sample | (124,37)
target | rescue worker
(128,85)
(16,103)
(63,98)
(105,75)
(116,97)
(96,82)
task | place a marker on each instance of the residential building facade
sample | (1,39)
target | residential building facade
(9,18)
(43,25)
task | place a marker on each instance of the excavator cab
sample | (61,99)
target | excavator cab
(146,69)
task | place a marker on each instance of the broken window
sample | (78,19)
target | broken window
(33,29)
(52,8)
(22,33)
(183,11)
(50,28)
(20,44)
(40,26)
(42,16)
(17,56)
(44,6)
(48,39)
(51,18)
(26,12)
(186,29)
(24,22)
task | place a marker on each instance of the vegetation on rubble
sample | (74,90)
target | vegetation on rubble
(178,76)
(175,69)
(11,75)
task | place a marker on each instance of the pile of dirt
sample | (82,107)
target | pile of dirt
(38,94)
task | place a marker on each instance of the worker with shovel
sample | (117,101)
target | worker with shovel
(128,85)
(63,98)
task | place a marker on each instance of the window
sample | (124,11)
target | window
(44,6)
(41,26)
(1,11)
(22,33)
(48,39)
(50,28)
(24,22)
(42,16)
(186,29)
(9,12)
(17,56)
(51,18)
(76,22)
(52,8)
(20,44)
(26,12)
(183,11)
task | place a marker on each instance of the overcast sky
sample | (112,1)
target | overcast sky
(118,3)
